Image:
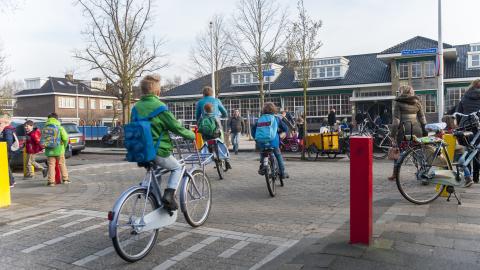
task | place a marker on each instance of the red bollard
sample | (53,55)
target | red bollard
(361,190)
(58,176)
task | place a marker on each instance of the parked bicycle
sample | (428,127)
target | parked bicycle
(139,213)
(382,139)
(272,171)
(426,163)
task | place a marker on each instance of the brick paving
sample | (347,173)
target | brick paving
(304,227)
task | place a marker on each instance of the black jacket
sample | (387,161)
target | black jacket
(332,118)
(470,102)
(236,124)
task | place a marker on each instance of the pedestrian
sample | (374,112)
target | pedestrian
(161,124)
(7,134)
(33,147)
(55,140)
(236,127)
(300,125)
(332,118)
(408,113)
(470,103)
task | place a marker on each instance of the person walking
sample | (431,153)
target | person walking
(55,140)
(332,118)
(33,147)
(7,134)
(407,112)
(470,103)
(236,126)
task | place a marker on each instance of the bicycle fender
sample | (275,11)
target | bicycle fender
(112,229)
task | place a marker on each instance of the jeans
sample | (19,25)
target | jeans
(11,179)
(235,141)
(31,163)
(170,163)
(278,156)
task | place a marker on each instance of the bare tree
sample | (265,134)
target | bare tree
(9,88)
(117,45)
(171,83)
(4,70)
(201,53)
(304,45)
(259,30)
(9,5)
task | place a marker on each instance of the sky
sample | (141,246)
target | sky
(39,37)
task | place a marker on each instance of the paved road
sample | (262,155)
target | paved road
(65,227)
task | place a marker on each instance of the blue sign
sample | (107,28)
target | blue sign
(269,73)
(419,51)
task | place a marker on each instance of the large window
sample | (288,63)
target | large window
(66,102)
(416,70)
(429,70)
(454,95)
(93,104)
(475,60)
(81,103)
(319,106)
(403,70)
(106,104)
(429,103)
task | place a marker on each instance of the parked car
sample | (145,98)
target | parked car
(77,139)
(17,160)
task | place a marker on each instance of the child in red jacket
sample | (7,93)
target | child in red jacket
(33,147)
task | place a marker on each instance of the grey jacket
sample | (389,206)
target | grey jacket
(408,112)
(236,124)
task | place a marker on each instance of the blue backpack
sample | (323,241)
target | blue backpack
(267,127)
(138,137)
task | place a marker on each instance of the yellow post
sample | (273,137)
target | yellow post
(451,143)
(25,163)
(4,177)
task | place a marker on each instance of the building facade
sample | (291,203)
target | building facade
(82,102)
(366,83)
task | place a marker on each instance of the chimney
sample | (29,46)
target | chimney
(69,77)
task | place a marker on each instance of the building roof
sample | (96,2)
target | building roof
(417,42)
(364,69)
(62,86)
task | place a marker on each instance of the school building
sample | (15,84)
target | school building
(365,82)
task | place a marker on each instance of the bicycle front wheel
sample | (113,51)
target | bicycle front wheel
(197,198)
(130,242)
(412,176)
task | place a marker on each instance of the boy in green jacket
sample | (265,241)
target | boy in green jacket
(161,125)
(55,153)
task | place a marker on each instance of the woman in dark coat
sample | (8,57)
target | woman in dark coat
(408,113)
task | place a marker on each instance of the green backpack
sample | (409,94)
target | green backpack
(208,127)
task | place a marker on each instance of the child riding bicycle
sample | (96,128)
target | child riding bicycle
(266,133)
(161,124)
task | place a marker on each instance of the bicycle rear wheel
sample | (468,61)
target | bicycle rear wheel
(197,199)
(412,176)
(270,176)
(381,146)
(130,242)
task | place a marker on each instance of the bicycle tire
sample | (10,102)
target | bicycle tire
(218,166)
(381,147)
(401,180)
(192,189)
(119,248)
(270,178)
(331,155)
(312,153)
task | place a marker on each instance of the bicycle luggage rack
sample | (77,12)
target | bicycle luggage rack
(186,151)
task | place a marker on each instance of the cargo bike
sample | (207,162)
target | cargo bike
(329,143)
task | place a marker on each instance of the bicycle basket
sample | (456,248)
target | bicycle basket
(186,150)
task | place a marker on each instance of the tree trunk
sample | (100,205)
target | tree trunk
(304,119)
(262,94)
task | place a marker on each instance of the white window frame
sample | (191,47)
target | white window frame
(104,103)
(400,71)
(474,63)
(66,102)
(415,73)
(426,70)
(81,103)
(93,104)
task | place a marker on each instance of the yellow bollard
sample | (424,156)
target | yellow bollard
(25,163)
(4,179)
(451,143)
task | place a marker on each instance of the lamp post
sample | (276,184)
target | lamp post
(76,101)
(440,64)
(212,57)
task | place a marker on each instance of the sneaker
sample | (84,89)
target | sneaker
(66,182)
(44,172)
(468,181)
(49,184)
(262,170)
(168,200)
(12,185)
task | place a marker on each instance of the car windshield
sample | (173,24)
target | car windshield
(71,128)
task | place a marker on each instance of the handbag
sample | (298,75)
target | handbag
(393,153)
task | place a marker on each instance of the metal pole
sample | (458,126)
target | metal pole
(213,59)
(76,101)
(440,64)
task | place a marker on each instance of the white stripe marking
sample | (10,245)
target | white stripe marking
(234,249)
(277,252)
(76,222)
(185,254)
(61,238)
(174,238)
(35,225)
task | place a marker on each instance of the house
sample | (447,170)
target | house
(351,83)
(83,102)
(7,104)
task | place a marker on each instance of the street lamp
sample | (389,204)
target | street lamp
(213,60)
(440,64)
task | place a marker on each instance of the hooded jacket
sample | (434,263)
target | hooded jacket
(59,150)
(470,102)
(32,144)
(7,136)
(408,112)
